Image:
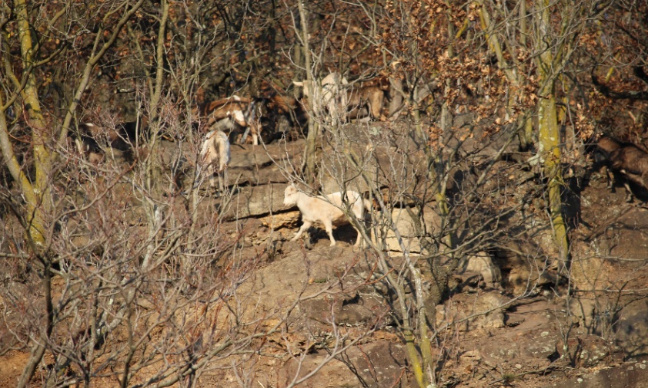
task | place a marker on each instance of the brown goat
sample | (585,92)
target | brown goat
(628,160)
(282,104)
(370,97)
(239,110)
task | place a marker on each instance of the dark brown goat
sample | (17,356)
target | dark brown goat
(626,159)
(280,113)
(93,140)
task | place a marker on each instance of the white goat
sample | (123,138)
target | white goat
(329,94)
(327,210)
(215,154)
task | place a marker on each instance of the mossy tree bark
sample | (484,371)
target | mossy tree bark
(549,139)
(36,192)
(310,168)
(45,135)
(554,41)
(24,27)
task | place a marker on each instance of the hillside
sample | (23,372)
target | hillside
(499,149)
(291,311)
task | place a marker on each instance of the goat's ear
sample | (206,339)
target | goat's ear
(298,83)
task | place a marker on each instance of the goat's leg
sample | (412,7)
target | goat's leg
(610,178)
(211,171)
(221,184)
(628,192)
(255,129)
(359,237)
(363,223)
(328,225)
(359,213)
(222,180)
(378,110)
(304,227)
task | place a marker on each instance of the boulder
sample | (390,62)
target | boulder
(482,264)
(406,228)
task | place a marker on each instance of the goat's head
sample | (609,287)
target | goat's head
(605,146)
(290,195)
(608,144)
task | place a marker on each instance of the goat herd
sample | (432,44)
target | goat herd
(333,100)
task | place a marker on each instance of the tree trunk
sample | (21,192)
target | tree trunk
(525,126)
(39,204)
(549,139)
(310,172)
